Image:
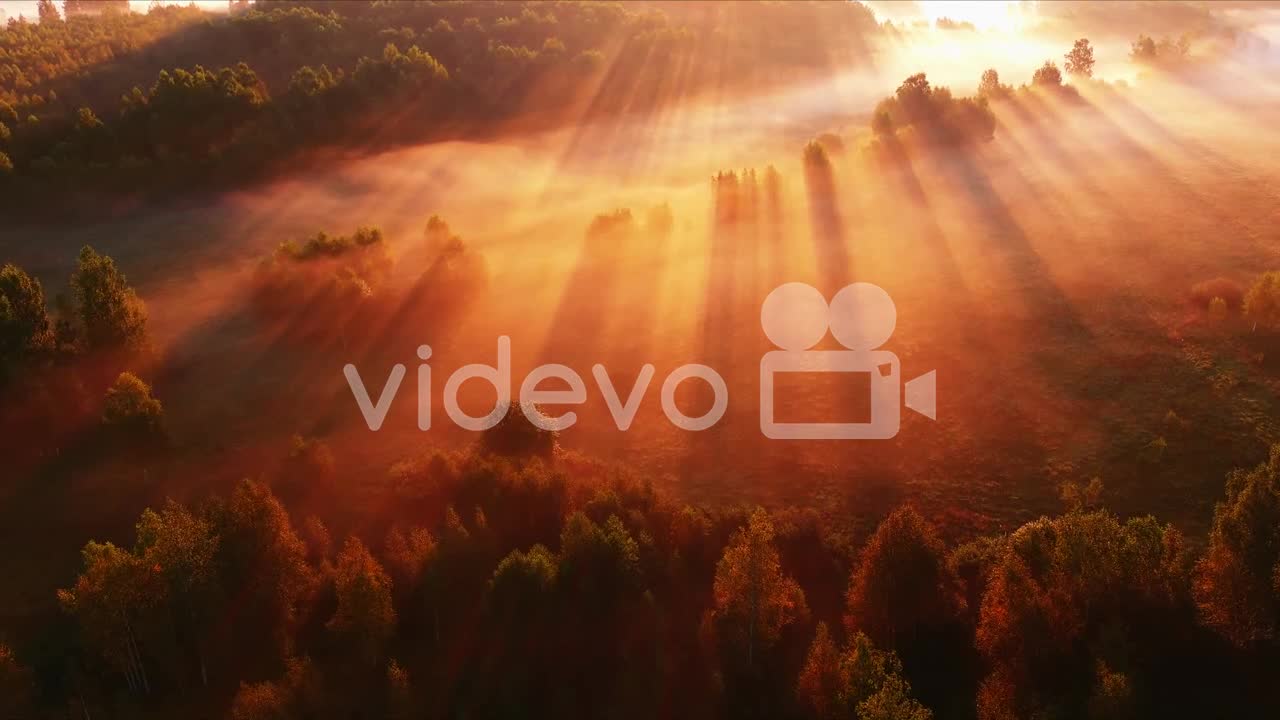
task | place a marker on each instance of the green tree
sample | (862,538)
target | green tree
(109,312)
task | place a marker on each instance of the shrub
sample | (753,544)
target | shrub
(1226,289)
(1217,308)
(130,407)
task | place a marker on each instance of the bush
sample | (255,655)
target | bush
(1220,287)
(130,407)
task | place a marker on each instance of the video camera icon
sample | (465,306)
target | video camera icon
(861,317)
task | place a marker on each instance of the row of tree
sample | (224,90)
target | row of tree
(563,587)
(353,74)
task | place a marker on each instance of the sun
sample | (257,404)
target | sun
(989,15)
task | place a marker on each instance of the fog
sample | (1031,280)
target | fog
(996,257)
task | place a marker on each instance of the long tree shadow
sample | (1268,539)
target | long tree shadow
(830,241)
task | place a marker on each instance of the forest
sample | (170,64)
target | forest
(206,211)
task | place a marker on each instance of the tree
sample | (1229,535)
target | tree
(1237,582)
(262,564)
(1080,59)
(113,600)
(407,556)
(1262,303)
(1069,591)
(292,697)
(365,617)
(109,312)
(130,408)
(515,436)
(522,578)
(754,599)
(1047,75)
(893,702)
(6,165)
(990,87)
(47,11)
(903,584)
(16,687)
(184,547)
(24,319)
(819,687)
(599,565)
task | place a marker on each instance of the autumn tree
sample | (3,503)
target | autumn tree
(1079,61)
(25,329)
(1237,583)
(754,599)
(902,584)
(47,11)
(1262,303)
(294,696)
(820,685)
(109,312)
(183,546)
(860,682)
(262,564)
(365,617)
(115,600)
(130,409)
(1068,592)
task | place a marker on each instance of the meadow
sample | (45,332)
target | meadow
(1088,528)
